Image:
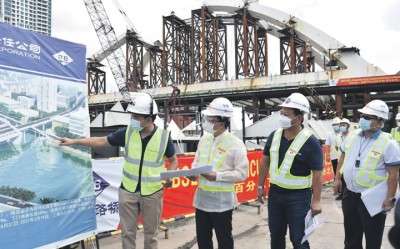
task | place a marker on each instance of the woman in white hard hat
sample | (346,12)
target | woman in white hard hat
(293,157)
(369,157)
(331,153)
(344,127)
(396,130)
(141,191)
(215,196)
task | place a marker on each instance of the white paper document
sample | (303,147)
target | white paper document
(186,172)
(374,197)
(311,224)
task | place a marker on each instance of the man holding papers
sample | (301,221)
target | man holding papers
(369,162)
(215,196)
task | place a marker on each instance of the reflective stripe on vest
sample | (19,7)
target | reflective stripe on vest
(153,161)
(396,134)
(367,177)
(281,176)
(216,161)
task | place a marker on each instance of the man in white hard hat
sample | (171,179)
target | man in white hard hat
(215,197)
(344,128)
(369,157)
(141,190)
(396,130)
(294,160)
(331,153)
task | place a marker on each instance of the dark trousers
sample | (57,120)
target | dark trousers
(220,222)
(334,163)
(288,209)
(357,222)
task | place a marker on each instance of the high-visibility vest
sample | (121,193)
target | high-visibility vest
(153,161)
(367,176)
(281,176)
(396,134)
(215,158)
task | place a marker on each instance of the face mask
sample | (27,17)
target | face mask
(343,129)
(135,125)
(285,122)
(335,128)
(208,127)
(365,125)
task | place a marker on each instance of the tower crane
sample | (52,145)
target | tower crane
(108,40)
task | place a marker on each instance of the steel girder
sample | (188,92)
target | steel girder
(96,78)
(134,61)
(156,69)
(293,56)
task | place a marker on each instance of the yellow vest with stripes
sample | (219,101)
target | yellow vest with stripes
(367,176)
(153,161)
(396,134)
(215,158)
(281,176)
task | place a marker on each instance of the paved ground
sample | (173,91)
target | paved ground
(251,229)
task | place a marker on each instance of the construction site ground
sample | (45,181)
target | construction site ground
(250,229)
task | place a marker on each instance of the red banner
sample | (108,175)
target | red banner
(369,80)
(179,198)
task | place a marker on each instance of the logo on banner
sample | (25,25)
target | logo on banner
(99,183)
(63,58)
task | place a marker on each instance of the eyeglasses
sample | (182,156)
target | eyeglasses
(212,121)
(369,117)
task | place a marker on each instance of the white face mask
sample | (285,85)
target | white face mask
(208,127)
(285,122)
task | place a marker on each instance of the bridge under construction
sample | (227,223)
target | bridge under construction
(190,66)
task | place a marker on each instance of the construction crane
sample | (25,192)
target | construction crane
(108,40)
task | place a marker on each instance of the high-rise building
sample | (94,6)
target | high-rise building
(34,15)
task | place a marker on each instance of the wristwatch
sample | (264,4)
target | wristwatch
(392,199)
(260,187)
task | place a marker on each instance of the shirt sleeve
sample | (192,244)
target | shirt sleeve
(391,155)
(328,140)
(117,138)
(196,160)
(268,144)
(240,165)
(170,150)
(315,161)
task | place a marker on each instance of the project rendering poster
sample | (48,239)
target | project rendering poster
(47,198)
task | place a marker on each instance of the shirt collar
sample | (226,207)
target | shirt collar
(375,135)
(220,137)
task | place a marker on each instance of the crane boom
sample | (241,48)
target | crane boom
(106,35)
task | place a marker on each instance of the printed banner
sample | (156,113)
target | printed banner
(178,199)
(46,191)
(369,80)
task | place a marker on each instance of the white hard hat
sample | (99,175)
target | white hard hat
(219,107)
(345,120)
(336,120)
(398,116)
(376,108)
(143,104)
(297,101)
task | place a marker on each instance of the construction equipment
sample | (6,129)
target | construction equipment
(108,40)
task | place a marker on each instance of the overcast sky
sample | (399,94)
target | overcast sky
(370,25)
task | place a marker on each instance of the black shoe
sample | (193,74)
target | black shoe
(339,197)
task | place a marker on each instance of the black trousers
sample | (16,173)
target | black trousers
(357,222)
(220,222)
(334,163)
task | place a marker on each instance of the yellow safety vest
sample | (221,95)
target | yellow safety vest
(367,176)
(396,134)
(215,159)
(281,176)
(153,161)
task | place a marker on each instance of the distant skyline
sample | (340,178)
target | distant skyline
(374,27)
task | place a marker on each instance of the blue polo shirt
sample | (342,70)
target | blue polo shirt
(309,157)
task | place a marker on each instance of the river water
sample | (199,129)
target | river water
(47,170)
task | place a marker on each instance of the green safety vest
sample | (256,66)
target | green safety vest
(396,134)
(153,161)
(215,159)
(367,176)
(281,176)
